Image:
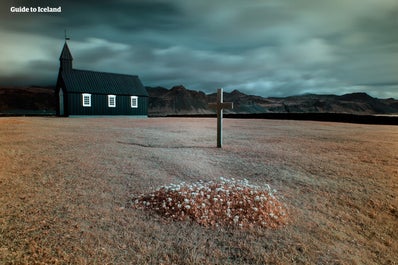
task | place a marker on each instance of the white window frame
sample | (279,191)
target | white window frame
(86,100)
(134,102)
(112,101)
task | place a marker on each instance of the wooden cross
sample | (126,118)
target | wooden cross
(219,106)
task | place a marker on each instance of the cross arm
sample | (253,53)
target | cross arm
(223,105)
(227,105)
(212,105)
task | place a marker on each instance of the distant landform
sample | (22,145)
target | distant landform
(182,101)
(179,100)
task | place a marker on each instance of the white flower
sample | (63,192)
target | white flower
(229,213)
(236,219)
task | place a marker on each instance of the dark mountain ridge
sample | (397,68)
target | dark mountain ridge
(176,100)
(21,100)
(181,101)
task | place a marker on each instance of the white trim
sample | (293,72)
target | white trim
(112,101)
(134,102)
(86,100)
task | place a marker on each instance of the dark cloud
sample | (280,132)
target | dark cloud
(123,16)
(269,48)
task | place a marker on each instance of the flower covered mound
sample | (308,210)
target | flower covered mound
(228,202)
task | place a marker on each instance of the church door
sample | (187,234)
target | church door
(61,102)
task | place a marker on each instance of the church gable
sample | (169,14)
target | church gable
(66,59)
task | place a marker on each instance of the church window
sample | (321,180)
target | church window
(86,98)
(111,101)
(134,101)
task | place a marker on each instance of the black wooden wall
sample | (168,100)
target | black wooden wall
(99,105)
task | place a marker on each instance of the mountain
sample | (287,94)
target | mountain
(27,100)
(180,100)
(353,103)
(177,100)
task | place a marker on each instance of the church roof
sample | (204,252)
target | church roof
(66,54)
(83,81)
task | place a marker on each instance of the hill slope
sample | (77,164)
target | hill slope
(180,100)
(27,100)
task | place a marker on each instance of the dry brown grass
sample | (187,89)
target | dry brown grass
(66,187)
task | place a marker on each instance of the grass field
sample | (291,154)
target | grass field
(66,189)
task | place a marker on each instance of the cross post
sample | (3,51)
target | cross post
(219,106)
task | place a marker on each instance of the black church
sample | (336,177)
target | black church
(82,92)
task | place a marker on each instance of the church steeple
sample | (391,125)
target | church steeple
(65,59)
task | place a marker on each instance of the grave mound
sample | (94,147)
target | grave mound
(227,202)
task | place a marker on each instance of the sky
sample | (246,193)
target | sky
(260,47)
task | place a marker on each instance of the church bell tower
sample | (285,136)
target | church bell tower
(65,59)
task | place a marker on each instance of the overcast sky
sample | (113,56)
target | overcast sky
(261,47)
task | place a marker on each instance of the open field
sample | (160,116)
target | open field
(66,186)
